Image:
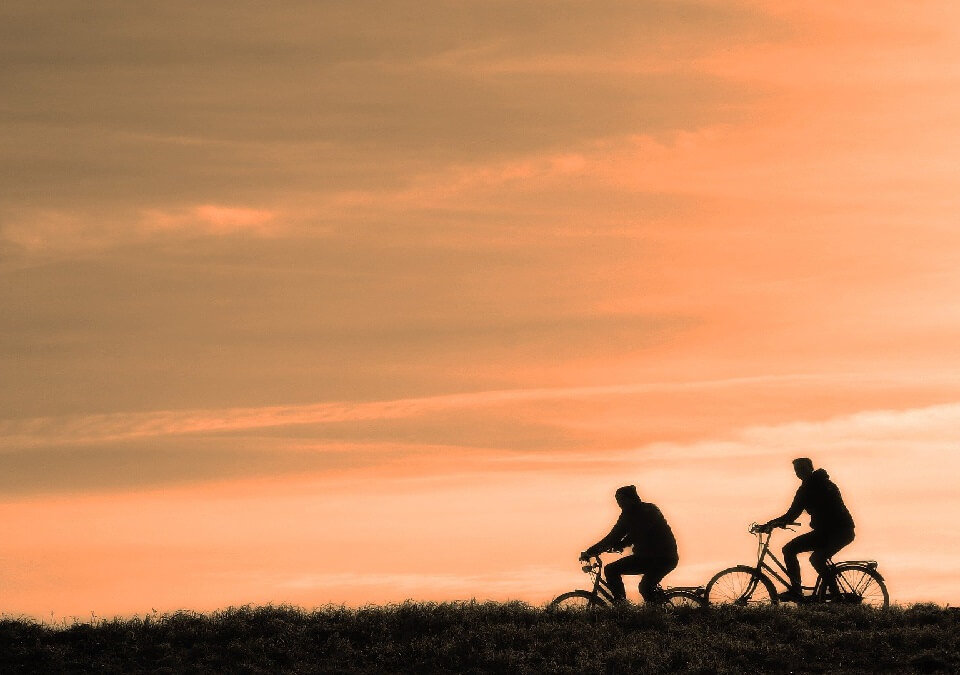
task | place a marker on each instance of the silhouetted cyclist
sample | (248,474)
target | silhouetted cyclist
(830,521)
(642,526)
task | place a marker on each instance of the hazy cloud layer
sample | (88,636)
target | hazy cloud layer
(453,244)
(577,428)
(111,107)
(295,533)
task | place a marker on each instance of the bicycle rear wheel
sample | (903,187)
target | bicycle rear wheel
(740,585)
(857,584)
(577,600)
(677,598)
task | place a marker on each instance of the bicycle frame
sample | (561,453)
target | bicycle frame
(600,588)
(846,581)
(763,551)
(780,572)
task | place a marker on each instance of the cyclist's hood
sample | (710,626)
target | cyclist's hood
(627,495)
(818,476)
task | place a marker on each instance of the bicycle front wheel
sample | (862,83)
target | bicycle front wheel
(740,585)
(860,585)
(577,600)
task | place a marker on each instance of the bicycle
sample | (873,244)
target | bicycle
(602,596)
(856,581)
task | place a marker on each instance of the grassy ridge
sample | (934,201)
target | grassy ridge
(490,637)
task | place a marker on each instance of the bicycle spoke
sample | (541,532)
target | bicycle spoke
(683,599)
(577,600)
(863,586)
(738,586)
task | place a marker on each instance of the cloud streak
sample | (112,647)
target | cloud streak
(125,426)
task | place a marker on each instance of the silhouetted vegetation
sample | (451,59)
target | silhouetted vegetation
(490,637)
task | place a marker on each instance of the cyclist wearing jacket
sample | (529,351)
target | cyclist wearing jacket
(642,526)
(830,521)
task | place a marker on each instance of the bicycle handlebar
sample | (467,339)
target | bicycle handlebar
(756,528)
(584,557)
(592,563)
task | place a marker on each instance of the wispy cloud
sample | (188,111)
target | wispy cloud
(124,426)
(213,219)
(62,234)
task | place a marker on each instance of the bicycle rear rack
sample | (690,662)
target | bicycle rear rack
(699,590)
(872,564)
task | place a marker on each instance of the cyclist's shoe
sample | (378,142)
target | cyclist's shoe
(791,596)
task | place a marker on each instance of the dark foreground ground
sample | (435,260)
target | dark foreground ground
(495,638)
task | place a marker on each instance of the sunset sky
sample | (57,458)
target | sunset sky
(361,301)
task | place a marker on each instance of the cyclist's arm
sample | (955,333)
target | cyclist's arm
(612,540)
(796,508)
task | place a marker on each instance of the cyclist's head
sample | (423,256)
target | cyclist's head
(627,495)
(803,466)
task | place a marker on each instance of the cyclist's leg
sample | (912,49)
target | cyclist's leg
(628,564)
(829,545)
(808,541)
(656,568)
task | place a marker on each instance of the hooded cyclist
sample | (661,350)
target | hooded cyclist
(830,522)
(641,525)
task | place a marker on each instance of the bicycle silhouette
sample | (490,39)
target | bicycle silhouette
(856,581)
(601,596)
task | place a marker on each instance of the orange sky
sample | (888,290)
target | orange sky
(359,303)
